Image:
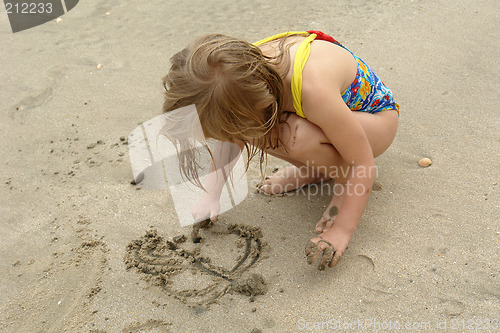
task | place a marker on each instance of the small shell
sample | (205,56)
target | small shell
(424,162)
(107,13)
(99,66)
(59,20)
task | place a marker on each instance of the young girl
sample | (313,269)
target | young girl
(299,96)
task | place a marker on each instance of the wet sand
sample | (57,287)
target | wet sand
(83,250)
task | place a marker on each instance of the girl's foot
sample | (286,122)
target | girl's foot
(289,179)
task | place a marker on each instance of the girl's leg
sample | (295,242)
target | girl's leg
(298,136)
(305,144)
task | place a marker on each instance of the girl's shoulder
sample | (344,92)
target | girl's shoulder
(282,53)
(331,63)
(325,57)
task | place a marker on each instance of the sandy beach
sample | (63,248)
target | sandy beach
(84,250)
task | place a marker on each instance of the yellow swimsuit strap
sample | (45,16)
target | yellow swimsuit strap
(298,65)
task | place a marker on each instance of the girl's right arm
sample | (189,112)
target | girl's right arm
(224,157)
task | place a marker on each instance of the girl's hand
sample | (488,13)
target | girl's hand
(207,207)
(329,246)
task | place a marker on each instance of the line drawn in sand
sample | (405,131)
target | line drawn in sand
(190,275)
(156,325)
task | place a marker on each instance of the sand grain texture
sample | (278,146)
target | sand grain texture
(426,249)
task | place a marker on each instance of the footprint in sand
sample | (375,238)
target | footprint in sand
(451,307)
(39,99)
(200,275)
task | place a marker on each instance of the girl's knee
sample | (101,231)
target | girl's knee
(304,137)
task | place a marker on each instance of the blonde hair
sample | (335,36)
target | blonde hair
(237,91)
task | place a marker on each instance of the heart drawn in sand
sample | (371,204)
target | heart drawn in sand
(194,278)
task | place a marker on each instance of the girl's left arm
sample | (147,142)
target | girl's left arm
(340,125)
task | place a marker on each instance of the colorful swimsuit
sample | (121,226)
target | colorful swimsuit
(366,93)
